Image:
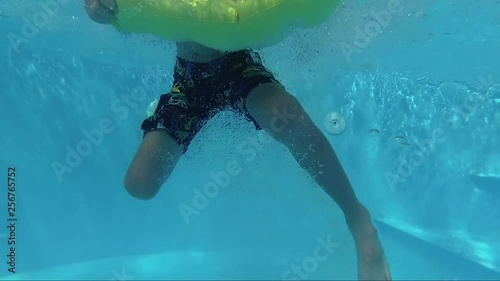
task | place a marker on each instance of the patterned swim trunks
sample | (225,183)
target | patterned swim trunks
(201,90)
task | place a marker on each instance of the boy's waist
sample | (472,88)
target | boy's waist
(223,62)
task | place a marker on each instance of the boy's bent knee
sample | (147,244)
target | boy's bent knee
(140,189)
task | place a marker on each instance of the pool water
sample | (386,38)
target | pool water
(419,99)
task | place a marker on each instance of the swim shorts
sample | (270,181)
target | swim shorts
(201,90)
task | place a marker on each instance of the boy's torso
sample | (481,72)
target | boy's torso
(197,53)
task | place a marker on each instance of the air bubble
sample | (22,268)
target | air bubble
(494,92)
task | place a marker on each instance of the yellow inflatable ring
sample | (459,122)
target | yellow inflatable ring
(221,24)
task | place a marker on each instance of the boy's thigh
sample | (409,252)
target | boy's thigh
(178,114)
(244,78)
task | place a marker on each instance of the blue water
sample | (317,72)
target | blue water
(428,83)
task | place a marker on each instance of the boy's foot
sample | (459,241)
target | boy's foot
(372,263)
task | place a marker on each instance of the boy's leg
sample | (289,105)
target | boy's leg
(281,114)
(152,164)
(283,117)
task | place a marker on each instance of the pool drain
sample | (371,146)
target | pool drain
(150,111)
(334,123)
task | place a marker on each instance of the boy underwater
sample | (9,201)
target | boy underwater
(207,81)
